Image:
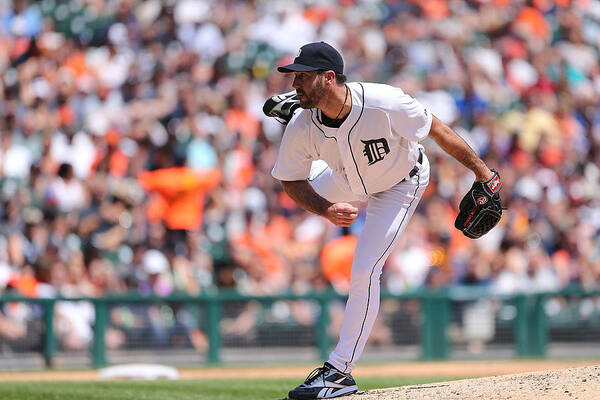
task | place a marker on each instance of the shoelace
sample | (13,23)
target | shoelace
(315,374)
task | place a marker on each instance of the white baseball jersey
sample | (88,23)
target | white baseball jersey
(375,147)
(369,157)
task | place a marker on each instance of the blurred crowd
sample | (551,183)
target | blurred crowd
(134,156)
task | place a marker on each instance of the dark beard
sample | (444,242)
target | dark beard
(312,100)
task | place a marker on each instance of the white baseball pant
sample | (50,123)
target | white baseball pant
(388,214)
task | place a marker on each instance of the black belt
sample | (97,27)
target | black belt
(416,168)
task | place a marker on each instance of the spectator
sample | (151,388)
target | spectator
(96,101)
(66,190)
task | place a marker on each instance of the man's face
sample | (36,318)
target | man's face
(309,87)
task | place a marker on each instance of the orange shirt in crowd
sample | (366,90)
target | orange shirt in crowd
(26,284)
(178,195)
(263,249)
(433,9)
(77,64)
(336,258)
(243,122)
(533,21)
(265,242)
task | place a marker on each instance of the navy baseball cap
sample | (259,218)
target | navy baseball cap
(315,56)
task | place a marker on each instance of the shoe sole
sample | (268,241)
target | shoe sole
(269,106)
(342,392)
(273,102)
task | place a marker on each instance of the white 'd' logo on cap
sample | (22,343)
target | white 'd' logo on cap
(299,51)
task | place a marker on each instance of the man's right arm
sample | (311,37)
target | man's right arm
(342,214)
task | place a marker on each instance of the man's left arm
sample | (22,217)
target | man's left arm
(480,208)
(456,146)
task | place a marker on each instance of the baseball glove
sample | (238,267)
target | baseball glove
(481,208)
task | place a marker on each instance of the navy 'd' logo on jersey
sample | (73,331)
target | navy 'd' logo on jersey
(375,150)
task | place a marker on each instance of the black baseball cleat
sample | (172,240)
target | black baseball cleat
(282,106)
(324,382)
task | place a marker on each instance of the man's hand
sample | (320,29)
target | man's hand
(341,214)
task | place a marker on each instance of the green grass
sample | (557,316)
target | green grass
(209,389)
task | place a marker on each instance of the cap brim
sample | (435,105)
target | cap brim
(296,68)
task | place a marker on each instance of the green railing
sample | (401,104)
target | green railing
(529,326)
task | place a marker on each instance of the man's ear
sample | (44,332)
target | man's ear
(330,77)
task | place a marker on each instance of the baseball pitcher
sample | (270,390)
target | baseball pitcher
(368,135)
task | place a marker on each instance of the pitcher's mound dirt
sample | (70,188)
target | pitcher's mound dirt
(467,369)
(582,383)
